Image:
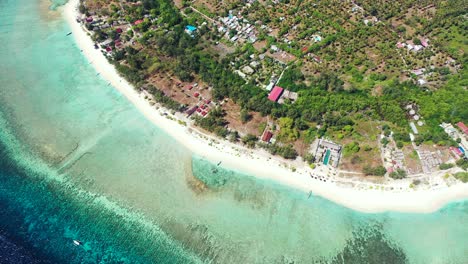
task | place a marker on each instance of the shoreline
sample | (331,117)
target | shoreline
(259,163)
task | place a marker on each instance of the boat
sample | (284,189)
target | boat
(77,242)
(69,33)
(310,194)
(219,163)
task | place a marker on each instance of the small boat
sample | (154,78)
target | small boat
(219,163)
(310,194)
(69,33)
(77,242)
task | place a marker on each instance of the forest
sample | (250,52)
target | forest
(324,105)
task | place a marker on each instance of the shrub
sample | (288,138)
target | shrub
(445,166)
(398,174)
(462,176)
(376,171)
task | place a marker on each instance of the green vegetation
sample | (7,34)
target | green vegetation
(445,166)
(462,163)
(287,130)
(215,122)
(376,171)
(398,174)
(351,148)
(287,152)
(166,101)
(249,140)
(359,76)
(462,176)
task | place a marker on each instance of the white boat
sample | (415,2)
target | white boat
(76,242)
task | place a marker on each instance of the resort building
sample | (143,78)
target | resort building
(328,152)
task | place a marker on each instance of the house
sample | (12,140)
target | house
(417,47)
(248,70)
(255,64)
(189,29)
(266,137)
(418,72)
(191,110)
(463,127)
(424,42)
(449,129)
(106,42)
(413,127)
(275,93)
(292,96)
(118,30)
(457,153)
(139,21)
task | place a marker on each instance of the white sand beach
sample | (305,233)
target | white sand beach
(257,162)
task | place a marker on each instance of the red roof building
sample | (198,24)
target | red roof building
(196,94)
(463,127)
(275,93)
(267,136)
(458,153)
(118,30)
(192,110)
(424,42)
(139,21)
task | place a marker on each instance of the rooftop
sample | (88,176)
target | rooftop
(275,93)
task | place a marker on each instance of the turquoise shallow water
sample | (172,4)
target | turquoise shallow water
(80,162)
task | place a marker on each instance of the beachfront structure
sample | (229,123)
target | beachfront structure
(328,152)
(192,110)
(266,137)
